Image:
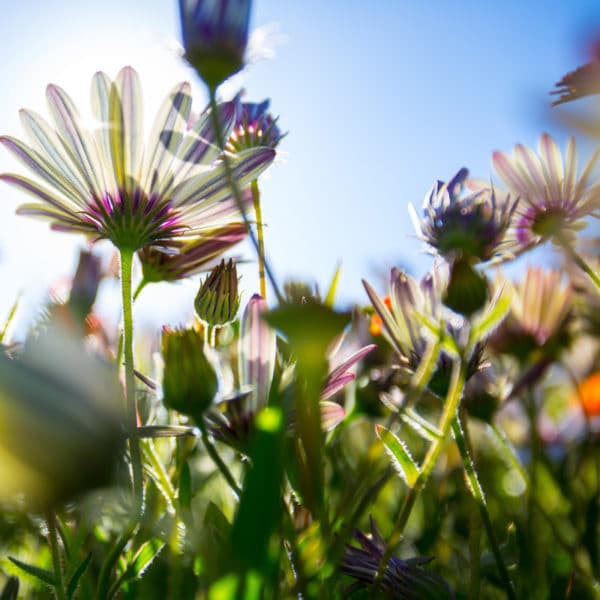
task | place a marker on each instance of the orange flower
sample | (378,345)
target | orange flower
(376,323)
(589,395)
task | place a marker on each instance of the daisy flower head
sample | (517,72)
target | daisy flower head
(553,203)
(105,183)
(472,227)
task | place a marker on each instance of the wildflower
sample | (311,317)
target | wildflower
(233,419)
(553,203)
(253,128)
(104,184)
(185,258)
(413,303)
(406,579)
(215,36)
(539,316)
(189,379)
(589,394)
(217,301)
(472,227)
(583,81)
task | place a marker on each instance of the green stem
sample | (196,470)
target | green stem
(474,554)
(138,290)
(261,240)
(476,490)
(455,391)
(212,451)
(235,189)
(580,261)
(134,441)
(59,586)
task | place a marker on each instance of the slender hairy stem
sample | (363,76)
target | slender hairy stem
(476,490)
(134,441)
(474,554)
(235,189)
(212,451)
(261,239)
(455,391)
(59,586)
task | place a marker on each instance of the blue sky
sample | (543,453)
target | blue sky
(379,98)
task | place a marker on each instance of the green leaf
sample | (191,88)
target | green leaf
(9,319)
(492,316)
(74,581)
(43,575)
(11,589)
(398,452)
(330,297)
(143,558)
(260,507)
(241,588)
(185,486)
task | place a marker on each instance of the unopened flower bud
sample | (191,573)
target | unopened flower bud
(217,301)
(189,379)
(215,35)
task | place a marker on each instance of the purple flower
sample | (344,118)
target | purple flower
(215,36)
(473,227)
(253,128)
(402,578)
(553,203)
(106,184)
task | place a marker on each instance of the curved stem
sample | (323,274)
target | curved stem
(580,261)
(235,189)
(134,441)
(476,490)
(261,240)
(212,451)
(455,391)
(138,290)
(59,586)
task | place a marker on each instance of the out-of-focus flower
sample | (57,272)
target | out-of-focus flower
(589,394)
(232,420)
(189,380)
(185,258)
(406,579)
(253,128)
(539,316)
(217,302)
(583,81)
(553,203)
(105,184)
(61,425)
(215,36)
(471,227)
